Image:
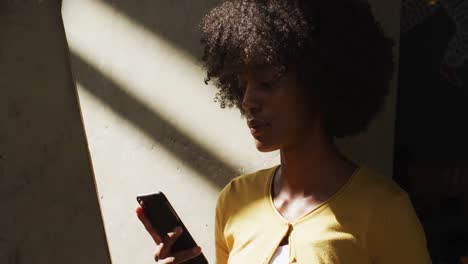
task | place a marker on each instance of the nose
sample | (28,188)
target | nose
(250,100)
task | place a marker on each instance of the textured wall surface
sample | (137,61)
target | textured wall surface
(48,202)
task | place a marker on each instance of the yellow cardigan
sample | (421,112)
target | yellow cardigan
(369,220)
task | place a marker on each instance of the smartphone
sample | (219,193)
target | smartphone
(164,219)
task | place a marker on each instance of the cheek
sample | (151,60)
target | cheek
(294,104)
(290,117)
(291,112)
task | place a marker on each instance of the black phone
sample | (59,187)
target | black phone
(164,219)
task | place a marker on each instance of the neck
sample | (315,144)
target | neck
(313,167)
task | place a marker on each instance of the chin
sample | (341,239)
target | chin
(263,147)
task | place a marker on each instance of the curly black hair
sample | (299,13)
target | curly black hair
(339,50)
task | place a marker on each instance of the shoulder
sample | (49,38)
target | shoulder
(377,186)
(251,181)
(394,231)
(374,195)
(246,186)
(387,201)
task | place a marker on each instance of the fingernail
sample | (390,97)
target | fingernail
(178,230)
(196,250)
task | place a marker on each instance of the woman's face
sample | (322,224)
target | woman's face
(274,106)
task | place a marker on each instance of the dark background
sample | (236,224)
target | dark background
(431,138)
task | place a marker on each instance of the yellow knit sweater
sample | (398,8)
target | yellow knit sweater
(369,220)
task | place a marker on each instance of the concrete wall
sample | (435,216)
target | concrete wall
(48,202)
(150,123)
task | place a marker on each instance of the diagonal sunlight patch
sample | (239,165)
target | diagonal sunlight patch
(160,76)
(118,111)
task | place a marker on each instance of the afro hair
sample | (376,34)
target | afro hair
(339,50)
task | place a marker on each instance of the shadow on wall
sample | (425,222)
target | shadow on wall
(49,207)
(128,107)
(177,21)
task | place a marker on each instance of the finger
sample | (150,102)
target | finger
(144,219)
(169,260)
(188,254)
(157,252)
(169,240)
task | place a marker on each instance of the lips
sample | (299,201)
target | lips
(257,126)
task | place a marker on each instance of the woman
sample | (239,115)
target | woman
(304,73)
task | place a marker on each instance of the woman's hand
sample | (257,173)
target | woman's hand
(164,244)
